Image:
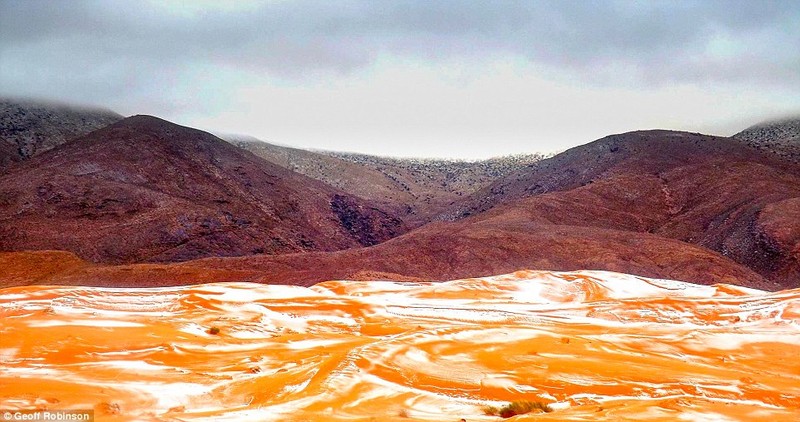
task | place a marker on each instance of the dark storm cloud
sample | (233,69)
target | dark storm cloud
(106,48)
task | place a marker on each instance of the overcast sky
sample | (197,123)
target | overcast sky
(462,79)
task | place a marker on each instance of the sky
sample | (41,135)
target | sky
(455,79)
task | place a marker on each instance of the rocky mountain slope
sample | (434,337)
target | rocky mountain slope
(144,189)
(439,180)
(415,188)
(8,154)
(660,204)
(709,191)
(30,128)
(780,137)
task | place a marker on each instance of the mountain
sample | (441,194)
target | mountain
(30,128)
(653,205)
(585,345)
(414,188)
(144,189)
(709,191)
(780,137)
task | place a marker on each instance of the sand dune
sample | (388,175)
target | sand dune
(594,345)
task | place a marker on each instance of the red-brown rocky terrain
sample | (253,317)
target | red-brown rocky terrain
(660,204)
(439,251)
(709,191)
(144,189)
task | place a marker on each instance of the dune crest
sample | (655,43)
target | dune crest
(593,344)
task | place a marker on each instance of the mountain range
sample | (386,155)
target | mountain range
(144,202)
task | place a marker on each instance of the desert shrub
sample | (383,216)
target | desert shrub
(213,330)
(491,411)
(519,407)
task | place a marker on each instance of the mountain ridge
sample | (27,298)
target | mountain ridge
(655,203)
(705,190)
(175,193)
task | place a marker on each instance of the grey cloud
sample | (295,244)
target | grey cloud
(117,46)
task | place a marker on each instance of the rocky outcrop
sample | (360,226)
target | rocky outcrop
(778,137)
(30,128)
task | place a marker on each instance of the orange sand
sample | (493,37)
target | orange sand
(596,345)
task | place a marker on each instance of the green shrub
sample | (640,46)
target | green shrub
(519,407)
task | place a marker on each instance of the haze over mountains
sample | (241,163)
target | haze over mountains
(659,203)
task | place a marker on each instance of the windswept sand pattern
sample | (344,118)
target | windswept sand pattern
(595,345)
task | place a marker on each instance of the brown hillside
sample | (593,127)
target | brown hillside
(700,189)
(144,189)
(656,203)
(359,180)
(438,251)
(444,251)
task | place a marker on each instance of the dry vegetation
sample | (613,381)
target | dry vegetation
(519,407)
